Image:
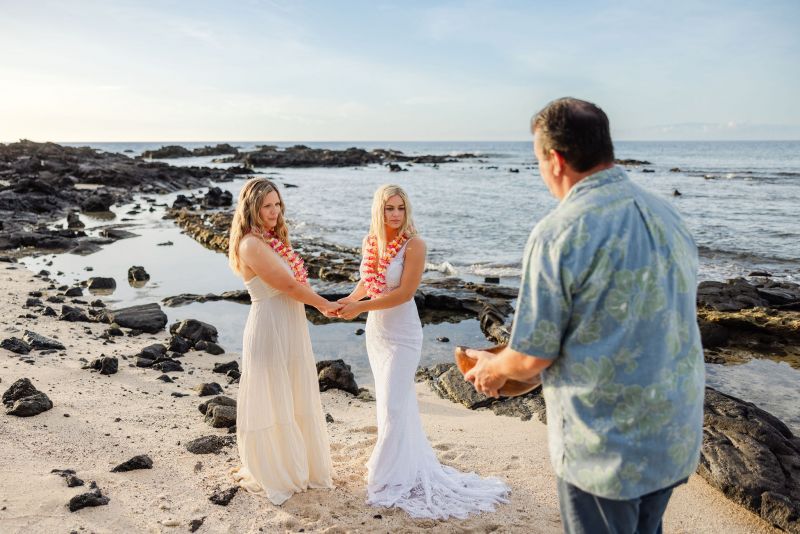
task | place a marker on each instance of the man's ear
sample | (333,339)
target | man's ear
(558,163)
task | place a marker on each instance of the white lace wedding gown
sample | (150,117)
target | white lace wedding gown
(280,428)
(403,469)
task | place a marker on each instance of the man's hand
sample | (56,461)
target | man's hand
(483,376)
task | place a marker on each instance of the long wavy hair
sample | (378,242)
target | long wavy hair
(246,218)
(378,225)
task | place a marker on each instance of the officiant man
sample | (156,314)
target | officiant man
(606,313)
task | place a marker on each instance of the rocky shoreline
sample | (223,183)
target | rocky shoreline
(749,455)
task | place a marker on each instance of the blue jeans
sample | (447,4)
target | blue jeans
(584,513)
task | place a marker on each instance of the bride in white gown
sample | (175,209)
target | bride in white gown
(403,470)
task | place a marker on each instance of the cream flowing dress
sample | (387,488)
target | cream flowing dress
(403,470)
(280,429)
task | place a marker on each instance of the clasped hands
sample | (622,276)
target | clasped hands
(344,308)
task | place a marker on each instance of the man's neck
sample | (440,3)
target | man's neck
(571,178)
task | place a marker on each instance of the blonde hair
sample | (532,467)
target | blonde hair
(246,218)
(378,225)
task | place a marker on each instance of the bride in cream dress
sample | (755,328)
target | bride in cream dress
(280,429)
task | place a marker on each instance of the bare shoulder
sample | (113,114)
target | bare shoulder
(249,243)
(416,242)
(416,245)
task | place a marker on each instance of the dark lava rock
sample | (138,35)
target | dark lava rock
(49,312)
(144,362)
(98,201)
(69,475)
(74,292)
(728,297)
(74,220)
(141,461)
(92,498)
(219,416)
(225,367)
(97,304)
(31,405)
(213,348)
(74,314)
(168,366)
(168,151)
(154,351)
(145,317)
(443,339)
(24,400)
(195,524)
(181,201)
(234,376)
(107,365)
(39,342)
(753,458)
(194,331)
(217,198)
(451,385)
(33,302)
(220,400)
(209,444)
(223,498)
(164,378)
(73,481)
(335,374)
(14,344)
(328,418)
(137,274)
(179,344)
(178,394)
(359,331)
(100,282)
(203,390)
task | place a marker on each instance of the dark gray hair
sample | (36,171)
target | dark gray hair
(576,129)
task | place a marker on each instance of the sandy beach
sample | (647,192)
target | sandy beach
(98,422)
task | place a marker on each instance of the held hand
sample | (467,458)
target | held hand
(345,300)
(483,376)
(331,310)
(350,311)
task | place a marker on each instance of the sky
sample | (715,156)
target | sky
(263,70)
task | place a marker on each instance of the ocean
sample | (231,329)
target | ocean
(739,199)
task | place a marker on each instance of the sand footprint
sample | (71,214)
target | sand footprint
(370,429)
(442,446)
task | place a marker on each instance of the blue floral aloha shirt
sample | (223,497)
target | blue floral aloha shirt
(608,292)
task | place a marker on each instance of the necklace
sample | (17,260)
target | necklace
(376,267)
(288,254)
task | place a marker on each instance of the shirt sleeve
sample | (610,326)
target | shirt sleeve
(543,303)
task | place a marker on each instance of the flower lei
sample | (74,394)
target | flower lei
(287,253)
(375,268)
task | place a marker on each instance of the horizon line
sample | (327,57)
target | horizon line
(229,141)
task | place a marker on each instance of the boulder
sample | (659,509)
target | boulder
(15,345)
(209,444)
(335,374)
(203,390)
(194,331)
(98,201)
(73,314)
(220,416)
(141,461)
(92,498)
(101,283)
(107,365)
(225,367)
(223,498)
(39,342)
(137,274)
(220,400)
(145,317)
(24,400)
(753,458)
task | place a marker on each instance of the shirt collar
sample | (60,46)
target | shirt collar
(593,181)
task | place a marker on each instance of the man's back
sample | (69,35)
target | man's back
(608,291)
